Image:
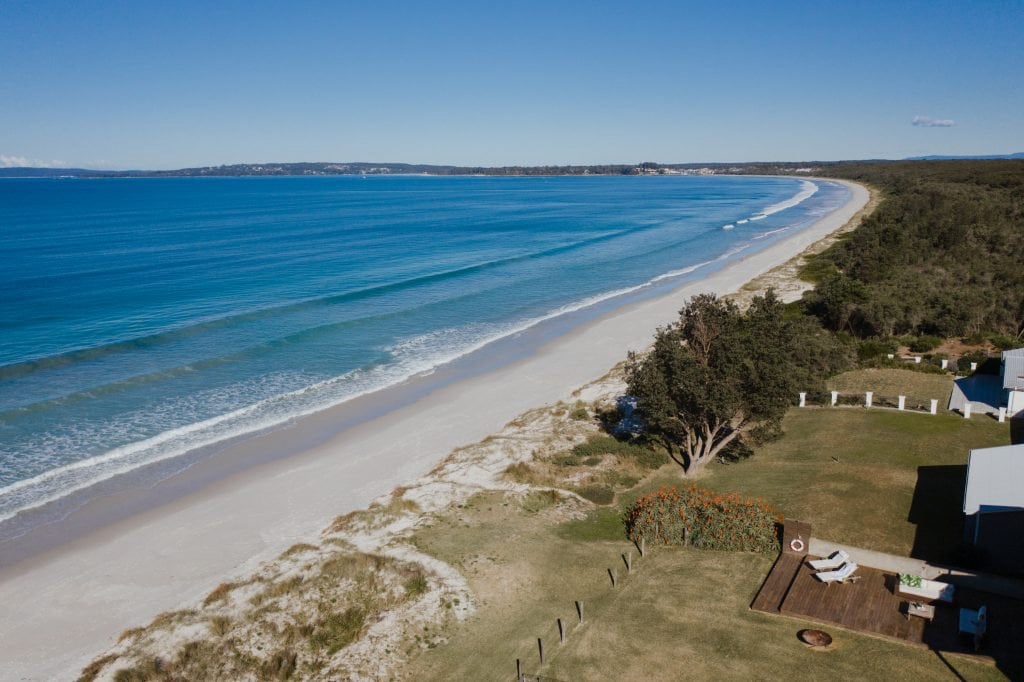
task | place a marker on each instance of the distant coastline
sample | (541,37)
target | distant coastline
(331,168)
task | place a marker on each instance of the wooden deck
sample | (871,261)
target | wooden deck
(870,605)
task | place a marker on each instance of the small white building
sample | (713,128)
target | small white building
(1012,371)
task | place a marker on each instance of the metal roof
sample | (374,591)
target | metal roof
(995,479)
(1013,369)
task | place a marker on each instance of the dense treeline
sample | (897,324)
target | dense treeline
(943,254)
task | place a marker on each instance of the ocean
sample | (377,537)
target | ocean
(144,318)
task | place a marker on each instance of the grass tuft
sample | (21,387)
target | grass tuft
(298,548)
(220,593)
(92,671)
(338,630)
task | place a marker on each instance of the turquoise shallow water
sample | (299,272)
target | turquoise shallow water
(142,318)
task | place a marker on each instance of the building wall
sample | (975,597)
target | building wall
(1015,402)
(998,537)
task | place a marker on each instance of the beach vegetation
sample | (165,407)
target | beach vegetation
(220,626)
(598,494)
(95,667)
(220,593)
(538,500)
(579,412)
(337,630)
(280,666)
(522,472)
(298,548)
(416,585)
(600,445)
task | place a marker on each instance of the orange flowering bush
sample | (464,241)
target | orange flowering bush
(703,518)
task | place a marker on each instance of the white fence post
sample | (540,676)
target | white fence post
(917,359)
(967,410)
(974,366)
(1002,415)
(803,399)
(935,406)
(945,364)
(835,398)
(891,356)
(867,398)
(902,402)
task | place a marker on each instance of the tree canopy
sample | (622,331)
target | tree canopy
(718,373)
(943,254)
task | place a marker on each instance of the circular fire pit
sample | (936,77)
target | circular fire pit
(815,638)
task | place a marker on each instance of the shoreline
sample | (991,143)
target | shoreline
(176,552)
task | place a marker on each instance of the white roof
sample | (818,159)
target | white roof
(995,479)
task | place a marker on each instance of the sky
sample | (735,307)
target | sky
(157,85)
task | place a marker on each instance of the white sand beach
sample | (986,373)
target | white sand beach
(66,605)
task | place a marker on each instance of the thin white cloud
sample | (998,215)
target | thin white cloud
(929,122)
(24,162)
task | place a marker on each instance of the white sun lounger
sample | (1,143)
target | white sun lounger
(839,576)
(831,562)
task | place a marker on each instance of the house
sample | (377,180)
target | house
(1012,371)
(994,505)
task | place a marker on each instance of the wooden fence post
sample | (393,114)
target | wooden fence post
(561,631)
(579,611)
(540,649)
(519,671)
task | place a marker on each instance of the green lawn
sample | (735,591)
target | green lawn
(684,613)
(918,387)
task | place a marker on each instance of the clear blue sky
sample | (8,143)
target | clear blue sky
(172,84)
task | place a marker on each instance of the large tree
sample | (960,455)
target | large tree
(717,373)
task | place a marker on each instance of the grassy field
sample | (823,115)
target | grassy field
(919,387)
(684,613)
(875,479)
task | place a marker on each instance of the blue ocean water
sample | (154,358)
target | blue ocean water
(142,318)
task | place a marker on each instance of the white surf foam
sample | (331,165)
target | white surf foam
(807,190)
(412,357)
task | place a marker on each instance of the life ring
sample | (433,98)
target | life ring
(797,545)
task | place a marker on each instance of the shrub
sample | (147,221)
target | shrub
(338,630)
(280,666)
(416,585)
(598,494)
(598,446)
(923,344)
(704,519)
(1003,342)
(870,349)
(579,412)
